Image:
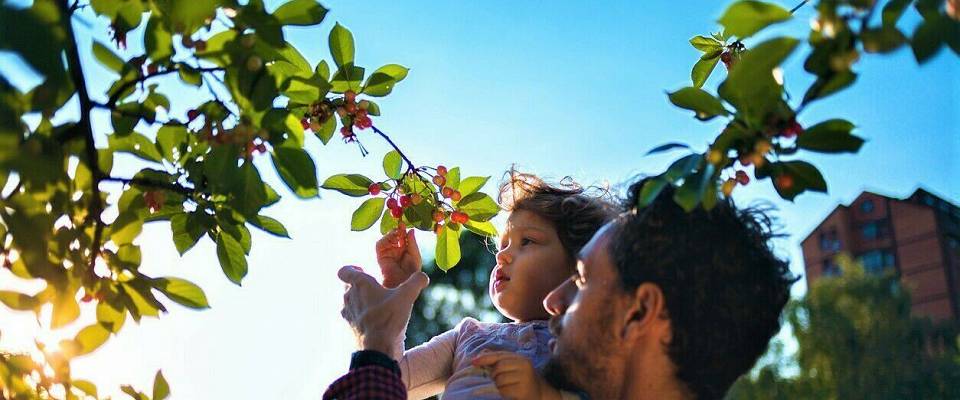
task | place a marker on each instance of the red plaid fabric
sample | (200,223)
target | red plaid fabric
(367,382)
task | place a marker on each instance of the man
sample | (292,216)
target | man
(665,304)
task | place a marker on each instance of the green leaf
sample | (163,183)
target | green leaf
(650,190)
(106,57)
(744,18)
(86,387)
(172,142)
(829,84)
(353,185)
(832,136)
(689,194)
(750,85)
(395,71)
(65,310)
(699,101)
(136,144)
(90,338)
(247,189)
(283,123)
(387,223)
(378,85)
(893,10)
(682,167)
(666,147)
(297,171)
(391,164)
(341,46)
(702,70)
(348,77)
(453,179)
(190,75)
(883,40)
(479,206)
(182,291)
(161,390)
(110,316)
(300,12)
(157,41)
(448,248)
(18,301)
(305,90)
(485,228)
(269,225)
(805,177)
(928,38)
(706,44)
(187,229)
(232,259)
(130,391)
(472,184)
(367,214)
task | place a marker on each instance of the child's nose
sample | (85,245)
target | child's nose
(504,257)
(559,298)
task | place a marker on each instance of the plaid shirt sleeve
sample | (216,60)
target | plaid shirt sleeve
(368,381)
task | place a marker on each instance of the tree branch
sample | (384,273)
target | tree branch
(115,97)
(154,184)
(410,164)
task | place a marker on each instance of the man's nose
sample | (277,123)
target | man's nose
(557,300)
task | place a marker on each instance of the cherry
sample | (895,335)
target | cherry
(441,170)
(350,108)
(438,216)
(793,129)
(726,57)
(785,182)
(86,298)
(439,180)
(437,229)
(396,212)
(405,201)
(154,200)
(192,115)
(152,69)
(416,198)
(305,123)
(261,148)
(447,192)
(742,178)
(374,189)
(459,217)
(346,131)
(455,196)
(7,264)
(349,97)
(745,159)
(392,204)
(200,45)
(714,157)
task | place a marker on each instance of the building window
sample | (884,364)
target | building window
(874,230)
(829,241)
(830,268)
(875,261)
(867,206)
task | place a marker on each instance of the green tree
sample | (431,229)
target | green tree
(858,340)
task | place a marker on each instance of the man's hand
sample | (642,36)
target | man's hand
(398,256)
(378,315)
(515,377)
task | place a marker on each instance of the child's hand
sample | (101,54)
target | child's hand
(398,256)
(515,376)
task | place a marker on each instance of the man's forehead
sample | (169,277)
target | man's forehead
(593,250)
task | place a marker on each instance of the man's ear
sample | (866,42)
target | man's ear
(645,312)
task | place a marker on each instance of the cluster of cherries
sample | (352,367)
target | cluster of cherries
(351,110)
(252,139)
(398,201)
(789,129)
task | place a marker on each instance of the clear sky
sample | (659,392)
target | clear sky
(560,88)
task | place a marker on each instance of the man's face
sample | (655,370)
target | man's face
(586,347)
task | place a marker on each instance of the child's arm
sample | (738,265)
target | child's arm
(426,368)
(516,378)
(398,256)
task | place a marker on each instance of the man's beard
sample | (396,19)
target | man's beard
(583,366)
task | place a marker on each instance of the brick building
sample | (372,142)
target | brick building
(918,236)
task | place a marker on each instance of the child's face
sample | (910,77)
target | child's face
(531,262)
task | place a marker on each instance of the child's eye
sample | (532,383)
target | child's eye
(525,241)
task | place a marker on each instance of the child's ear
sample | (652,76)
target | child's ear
(645,313)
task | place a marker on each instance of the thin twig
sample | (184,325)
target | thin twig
(410,164)
(154,184)
(797,7)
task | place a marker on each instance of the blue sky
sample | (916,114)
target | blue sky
(559,88)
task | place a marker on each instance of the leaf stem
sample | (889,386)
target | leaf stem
(797,7)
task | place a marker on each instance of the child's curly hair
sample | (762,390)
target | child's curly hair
(575,212)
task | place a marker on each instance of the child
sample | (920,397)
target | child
(547,226)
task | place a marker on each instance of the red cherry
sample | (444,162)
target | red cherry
(349,97)
(305,123)
(437,229)
(396,212)
(447,192)
(405,201)
(192,115)
(392,203)
(200,45)
(726,57)
(441,170)
(346,131)
(416,198)
(350,108)
(87,298)
(742,178)
(459,217)
(374,189)
(455,196)
(439,180)
(438,216)
(152,69)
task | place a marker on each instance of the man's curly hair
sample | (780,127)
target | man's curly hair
(724,288)
(575,212)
